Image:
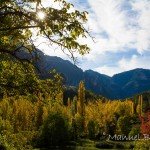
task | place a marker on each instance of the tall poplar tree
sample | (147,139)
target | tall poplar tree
(81,103)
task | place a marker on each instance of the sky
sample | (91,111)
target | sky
(121,31)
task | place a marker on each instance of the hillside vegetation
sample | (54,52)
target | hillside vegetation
(33,113)
(36,112)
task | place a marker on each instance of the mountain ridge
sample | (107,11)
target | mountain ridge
(119,86)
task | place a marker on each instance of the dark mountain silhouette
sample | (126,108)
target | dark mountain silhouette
(120,86)
(133,81)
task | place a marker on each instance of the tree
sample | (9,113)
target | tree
(16,80)
(91,129)
(81,99)
(74,106)
(81,103)
(124,125)
(55,130)
(60,26)
(145,123)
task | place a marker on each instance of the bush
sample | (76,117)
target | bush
(80,131)
(124,125)
(91,129)
(55,130)
(18,141)
(4,145)
(134,131)
(5,126)
(142,145)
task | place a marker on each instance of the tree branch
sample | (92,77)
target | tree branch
(16,28)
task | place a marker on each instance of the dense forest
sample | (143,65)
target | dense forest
(35,113)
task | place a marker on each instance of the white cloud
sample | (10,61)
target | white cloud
(125,64)
(108,70)
(125,29)
(50,3)
(118,26)
(142,7)
(134,62)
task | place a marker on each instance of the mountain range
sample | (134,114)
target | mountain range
(119,86)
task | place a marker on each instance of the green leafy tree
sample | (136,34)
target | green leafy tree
(19,24)
(124,125)
(60,26)
(15,79)
(55,130)
(92,129)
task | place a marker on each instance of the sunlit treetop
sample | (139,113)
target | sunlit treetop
(62,25)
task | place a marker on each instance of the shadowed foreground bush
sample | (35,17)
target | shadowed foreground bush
(55,130)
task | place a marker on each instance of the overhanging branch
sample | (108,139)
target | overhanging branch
(17,28)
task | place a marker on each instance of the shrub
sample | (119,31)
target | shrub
(92,129)
(4,145)
(134,131)
(18,141)
(5,126)
(124,125)
(79,125)
(142,145)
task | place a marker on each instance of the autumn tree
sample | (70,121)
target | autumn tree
(140,104)
(81,103)
(74,106)
(61,26)
(81,99)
